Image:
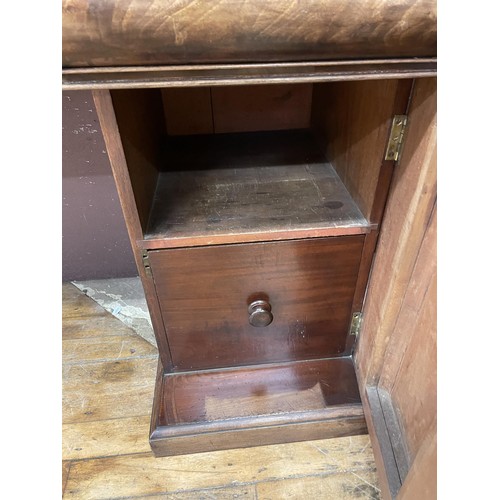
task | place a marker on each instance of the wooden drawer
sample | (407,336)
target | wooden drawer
(205,293)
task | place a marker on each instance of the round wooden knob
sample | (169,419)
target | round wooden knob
(260,313)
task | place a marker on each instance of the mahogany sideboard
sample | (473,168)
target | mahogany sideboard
(276,167)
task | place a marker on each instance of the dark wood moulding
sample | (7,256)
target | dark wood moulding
(79,78)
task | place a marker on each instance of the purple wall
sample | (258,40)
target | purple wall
(95,242)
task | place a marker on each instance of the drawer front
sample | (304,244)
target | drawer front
(209,296)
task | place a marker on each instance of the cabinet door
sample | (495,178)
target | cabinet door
(231,305)
(395,357)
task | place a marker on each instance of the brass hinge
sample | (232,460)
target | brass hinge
(396,138)
(146,264)
(357,318)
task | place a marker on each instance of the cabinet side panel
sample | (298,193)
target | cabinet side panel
(421,481)
(409,209)
(352,121)
(139,114)
(409,371)
(107,119)
(395,354)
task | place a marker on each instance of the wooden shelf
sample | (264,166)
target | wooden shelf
(231,408)
(233,188)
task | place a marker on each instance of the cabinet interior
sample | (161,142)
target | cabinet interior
(211,167)
(232,164)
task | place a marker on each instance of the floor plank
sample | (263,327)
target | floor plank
(97,327)
(359,484)
(106,408)
(105,390)
(104,438)
(66,465)
(106,348)
(231,493)
(134,475)
(76,304)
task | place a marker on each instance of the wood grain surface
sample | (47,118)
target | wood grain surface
(410,368)
(245,74)
(239,408)
(410,206)
(233,188)
(141,126)
(120,32)
(247,108)
(309,283)
(422,479)
(123,180)
(110,457)
(252,108)
(352,121)
(258,391)
(188,110)
(396,351)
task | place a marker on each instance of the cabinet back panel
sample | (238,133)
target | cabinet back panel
(248,108)
(261,107)
(188,110)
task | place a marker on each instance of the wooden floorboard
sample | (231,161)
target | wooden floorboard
(353,484)
(65,473)
(108,382)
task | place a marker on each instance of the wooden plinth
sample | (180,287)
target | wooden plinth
(250,406)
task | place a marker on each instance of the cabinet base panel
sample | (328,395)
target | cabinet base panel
(211,410)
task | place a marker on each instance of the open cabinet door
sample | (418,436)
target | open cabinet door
(395,357)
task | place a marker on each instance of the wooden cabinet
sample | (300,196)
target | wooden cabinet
(256,195)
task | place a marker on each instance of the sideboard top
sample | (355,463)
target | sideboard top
(103,33)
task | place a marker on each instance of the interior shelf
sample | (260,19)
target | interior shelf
(233,188)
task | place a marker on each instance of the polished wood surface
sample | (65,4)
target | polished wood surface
(352,121)
(188,110)
(422,480)
(251,108)
(410,205)
(210,396)
(396,353)
(205,411)
(122,175)
(248,187)
(309,284)
(247,108)
(410,365)
(383,183)
(141,126)
(245,74)
(118,32)
(380,434)
(105,448)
